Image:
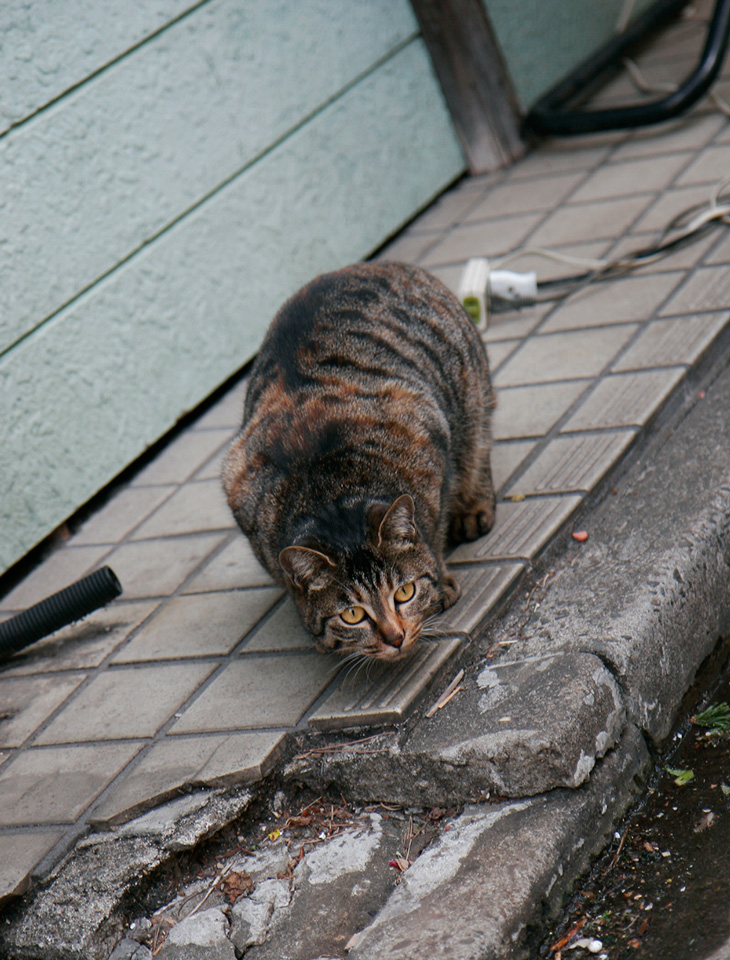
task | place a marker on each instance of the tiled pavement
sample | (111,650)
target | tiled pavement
(200,672)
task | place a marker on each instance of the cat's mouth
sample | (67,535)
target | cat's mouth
(390,652)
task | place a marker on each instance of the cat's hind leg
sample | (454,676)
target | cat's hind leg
(473,516)
(471,513)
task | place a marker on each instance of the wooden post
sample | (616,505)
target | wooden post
(474,80)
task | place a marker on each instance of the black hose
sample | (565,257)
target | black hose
(58,610)
(548,116)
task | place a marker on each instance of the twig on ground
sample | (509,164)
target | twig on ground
(452,689)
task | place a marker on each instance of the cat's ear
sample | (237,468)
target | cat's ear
(398,526)
(307,569)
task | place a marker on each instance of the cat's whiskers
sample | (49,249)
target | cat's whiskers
(353,661)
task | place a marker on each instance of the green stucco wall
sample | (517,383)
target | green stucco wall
(167,178)
(543,40)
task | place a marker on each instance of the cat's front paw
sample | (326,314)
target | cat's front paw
(451,591)
(472,524)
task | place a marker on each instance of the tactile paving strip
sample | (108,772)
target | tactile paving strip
(625,399)
(388,691)
(481,587)
(666,342)
(521,530)
(573,463)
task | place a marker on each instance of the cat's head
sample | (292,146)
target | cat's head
(372,600)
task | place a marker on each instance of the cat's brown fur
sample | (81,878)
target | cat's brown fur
(364,448)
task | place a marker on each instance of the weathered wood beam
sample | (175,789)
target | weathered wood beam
(474,80)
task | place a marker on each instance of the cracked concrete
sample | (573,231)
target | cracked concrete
(516,729)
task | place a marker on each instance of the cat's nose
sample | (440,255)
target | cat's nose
(392,636)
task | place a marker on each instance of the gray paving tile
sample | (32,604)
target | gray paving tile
(25,702)
(122,514)
(564,356)
(178,461)
(452,206)
(283,630)
(721,253)
(626,399)
(126,703)
(20,853)
(235,566)
(481,588)
(531,411)
(506,458)
(155,568)
(384,692)
(525,197)
(259,692)
(669,342)
(83,644)
(634,176)
(521,530)
(212,469)
(408,246)
(500,350)
(199,625)
(174,764)
(486,239)
(449,275)
(561,156)
(573,463)
(56,785)
(709,167)
(603,219)
(196,507)
(614,301)
(227,412)
(59,570)
(688,133)
(508,326)
(706,289)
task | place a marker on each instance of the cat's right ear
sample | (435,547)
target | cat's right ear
(307,569)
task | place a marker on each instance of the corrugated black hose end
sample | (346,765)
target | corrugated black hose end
(58,610)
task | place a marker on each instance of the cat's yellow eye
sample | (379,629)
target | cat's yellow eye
(405,592)
(353,615)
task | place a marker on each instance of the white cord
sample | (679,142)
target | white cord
(715,210)
(588,262)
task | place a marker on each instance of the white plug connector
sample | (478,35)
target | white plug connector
(483,291)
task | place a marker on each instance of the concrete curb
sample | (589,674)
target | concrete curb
(516,730)
(502,869)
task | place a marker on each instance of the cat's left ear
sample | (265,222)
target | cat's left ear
(398,526)
(306,568)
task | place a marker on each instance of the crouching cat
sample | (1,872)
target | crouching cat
(364,450)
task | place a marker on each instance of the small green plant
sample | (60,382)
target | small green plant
(716,718)
(681,777)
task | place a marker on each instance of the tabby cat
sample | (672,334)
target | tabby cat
(364,449)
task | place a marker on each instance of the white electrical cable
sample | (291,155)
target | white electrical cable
(588,262)
(486,289)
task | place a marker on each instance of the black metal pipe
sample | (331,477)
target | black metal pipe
(548,116)
(58,610)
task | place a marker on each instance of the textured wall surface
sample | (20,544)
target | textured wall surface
(166,180)
(543,40)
